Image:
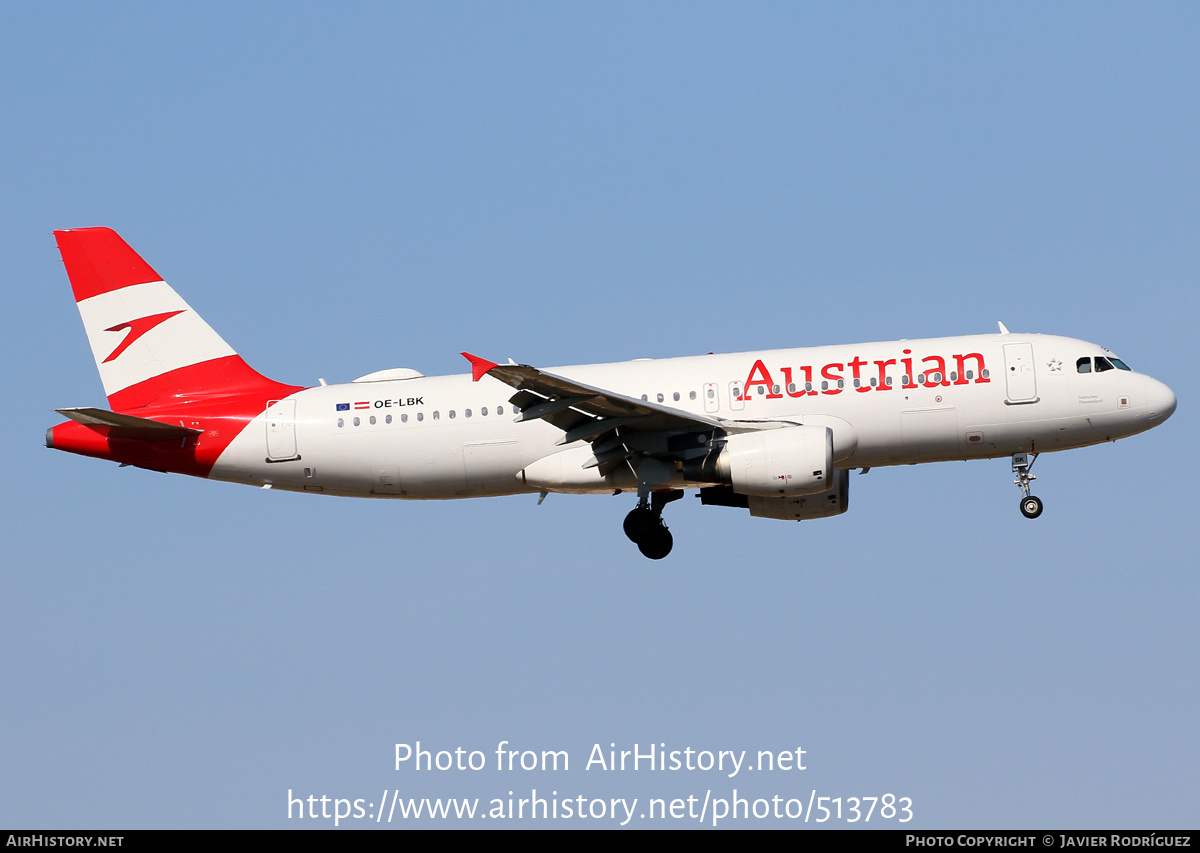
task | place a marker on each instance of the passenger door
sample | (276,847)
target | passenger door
(1021,382)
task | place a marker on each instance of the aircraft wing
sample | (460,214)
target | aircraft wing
(599,416)
(546,396)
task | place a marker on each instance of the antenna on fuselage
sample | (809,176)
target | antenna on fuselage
(1003,328)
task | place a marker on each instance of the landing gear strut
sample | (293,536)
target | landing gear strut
(1031,507)
(644,524)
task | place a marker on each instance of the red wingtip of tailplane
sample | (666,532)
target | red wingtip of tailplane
(479,366)
(99,261)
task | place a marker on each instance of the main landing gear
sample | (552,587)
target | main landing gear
(644,524)
(1031,507)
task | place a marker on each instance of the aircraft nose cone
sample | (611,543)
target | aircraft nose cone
(1161,401)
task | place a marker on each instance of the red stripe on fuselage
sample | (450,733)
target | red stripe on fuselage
(99,261)
(225,377)
(221,397)
(195,456)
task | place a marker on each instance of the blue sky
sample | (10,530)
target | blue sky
(343,190)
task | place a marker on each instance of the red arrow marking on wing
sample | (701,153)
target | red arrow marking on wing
(137,328)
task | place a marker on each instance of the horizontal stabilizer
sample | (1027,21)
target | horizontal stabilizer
(126,426)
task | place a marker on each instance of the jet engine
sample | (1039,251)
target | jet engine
(770,463)
(833,501)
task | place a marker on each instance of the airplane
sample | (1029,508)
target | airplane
(775,432)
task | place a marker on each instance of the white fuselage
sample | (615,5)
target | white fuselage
(899,402)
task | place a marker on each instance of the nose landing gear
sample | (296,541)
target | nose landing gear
(1031,506)
(644,524)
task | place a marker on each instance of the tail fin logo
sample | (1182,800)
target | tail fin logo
(137,328)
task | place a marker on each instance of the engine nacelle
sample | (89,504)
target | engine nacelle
(771,463)
(835,501)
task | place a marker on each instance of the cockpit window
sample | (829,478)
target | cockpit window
(1084,365)
(1103,364)
(1118,364)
